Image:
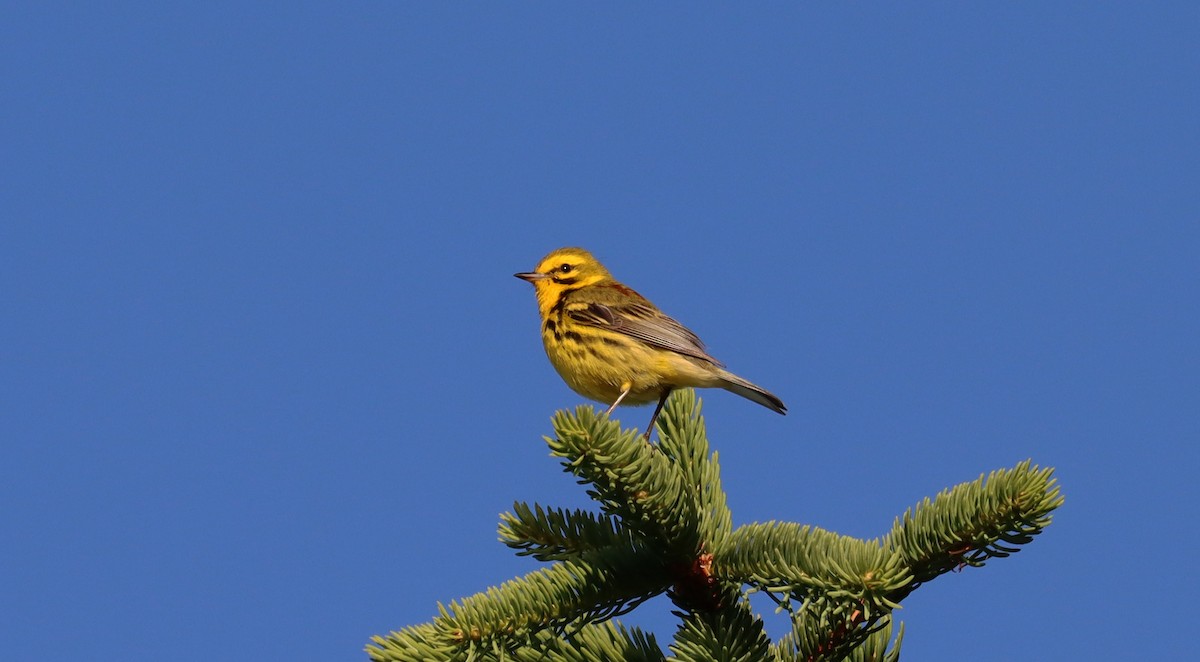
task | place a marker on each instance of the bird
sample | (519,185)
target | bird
(611,345)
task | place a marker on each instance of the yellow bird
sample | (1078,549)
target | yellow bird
(610,344)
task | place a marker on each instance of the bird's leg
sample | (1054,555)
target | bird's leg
(654,417)
(625,389)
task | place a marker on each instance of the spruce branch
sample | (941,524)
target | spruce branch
(558,535)
(972,522)
(829,629)
(806,561)
(629,478)
(416,642)
(823,638)
(598,586)
(879,646)
(729,634)
(683,439)
(603,642)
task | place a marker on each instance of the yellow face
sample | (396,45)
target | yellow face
(563,270)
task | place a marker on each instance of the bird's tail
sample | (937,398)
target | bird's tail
(762,396)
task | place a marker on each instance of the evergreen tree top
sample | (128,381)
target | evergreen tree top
(664,526)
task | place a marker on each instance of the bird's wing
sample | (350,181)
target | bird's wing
(639,319)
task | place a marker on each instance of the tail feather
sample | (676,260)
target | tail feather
(762,396)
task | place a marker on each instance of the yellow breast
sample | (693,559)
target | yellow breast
(600,364)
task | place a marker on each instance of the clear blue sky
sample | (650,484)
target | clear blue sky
(266,380)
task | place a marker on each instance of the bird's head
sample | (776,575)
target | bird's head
(564,270)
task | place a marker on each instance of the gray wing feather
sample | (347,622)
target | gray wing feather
(645,324)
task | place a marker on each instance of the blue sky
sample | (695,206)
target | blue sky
(266,380)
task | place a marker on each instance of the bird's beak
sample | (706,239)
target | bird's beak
(531,277)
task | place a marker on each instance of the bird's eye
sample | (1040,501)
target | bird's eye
(566,268)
